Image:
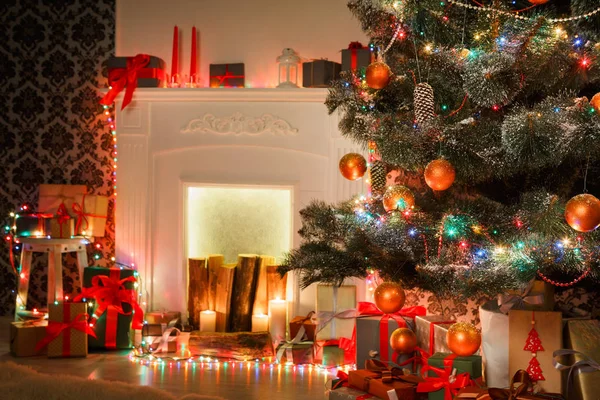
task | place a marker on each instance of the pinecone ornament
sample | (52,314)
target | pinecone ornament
(424,105)
(378,177)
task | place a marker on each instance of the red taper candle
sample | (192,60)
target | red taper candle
(175,58)
(194,57)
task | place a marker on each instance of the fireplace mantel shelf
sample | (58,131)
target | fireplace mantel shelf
(302,95)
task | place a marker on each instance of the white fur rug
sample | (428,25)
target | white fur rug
(18,382)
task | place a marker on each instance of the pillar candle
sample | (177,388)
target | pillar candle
(208,321)
(260,323)
(193,57)
(277,319)
(175,57)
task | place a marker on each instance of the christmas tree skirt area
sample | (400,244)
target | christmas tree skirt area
(116,377)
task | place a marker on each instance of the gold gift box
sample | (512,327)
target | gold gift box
(24,336)
(583,336)
(62,231)
(52,196)
(78,340)
(95,210)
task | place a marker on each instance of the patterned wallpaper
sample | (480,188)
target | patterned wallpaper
(52,55)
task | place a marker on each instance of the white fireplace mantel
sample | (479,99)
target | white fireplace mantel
(169,139)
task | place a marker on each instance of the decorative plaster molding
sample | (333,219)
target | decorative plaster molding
(240,124)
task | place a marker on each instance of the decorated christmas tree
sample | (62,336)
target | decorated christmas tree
(488,109)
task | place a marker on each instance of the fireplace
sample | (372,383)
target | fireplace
(191,161)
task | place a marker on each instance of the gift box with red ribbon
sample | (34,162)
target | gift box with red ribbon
(61,225)
(90,213)
(116,310)
(356,56)
(67,331)
(378,379)
(227,75)
(307,325)
(129,73)
(53,197)
(32,224)
(373,331)
(427,339)
(445,374)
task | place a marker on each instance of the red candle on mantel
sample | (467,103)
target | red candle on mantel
(194,56)
(175,58)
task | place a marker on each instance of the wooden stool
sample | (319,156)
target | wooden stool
(55,249)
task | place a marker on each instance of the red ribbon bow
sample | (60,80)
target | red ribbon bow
(62,217)
(126,78)
(54,329)
(443,380)
(355,46)
(342,380)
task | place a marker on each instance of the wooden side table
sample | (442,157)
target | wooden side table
(55,249)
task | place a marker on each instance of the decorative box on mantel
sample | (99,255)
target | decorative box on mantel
(171,140)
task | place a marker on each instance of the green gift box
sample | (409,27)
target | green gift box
(113,329)
(471,364)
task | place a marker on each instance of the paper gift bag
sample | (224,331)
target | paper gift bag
(52,196)
(549,328)
(333,303)
(24,336)
(72,341)
(494,345)
(90,215)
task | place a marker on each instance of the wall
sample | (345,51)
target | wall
(253,32)
(51,57)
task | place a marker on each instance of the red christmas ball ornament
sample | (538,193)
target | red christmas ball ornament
(378,75)
(463,339)
(538,2)
(582,213)
(353,166)
(389,297)
(439,174)
(403,341)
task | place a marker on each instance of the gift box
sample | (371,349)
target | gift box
(297,353)
(329,354)
(53,196)
(61,227)
(24,336)
(305,324)
(227,75)
(32,224)
(368,339)
(112,321)
(162,317)
(537,296)
(472,365)
(441,367)
(154,329)
(320,73)
(361,379)
(428,336)
(90,215)
(549,328)
(336,311)
(356,56)
(152,74)
(385,383)
(494,345)
(68,330)
(348,393)
(583,337)
(164,343)
(469,392)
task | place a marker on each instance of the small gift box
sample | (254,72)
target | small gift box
(53,196)
(112,320)
(440,345)
(361,378)
(163,343)
(447,374)
(336,311)
(151,74)
(90,215)
(32,224)
(584,359)
(24,336)
(549,329)
(536,296)
(356,56)
(368,339)
(304,327)
(227,75)
(297,353)
(67,331)
(384,382)
(328,353)
(427,338)
(163,317)
(62,226)
(320,73)
(471,364)
(158,329)
(348,393)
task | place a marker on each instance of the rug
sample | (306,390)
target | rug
(19,382)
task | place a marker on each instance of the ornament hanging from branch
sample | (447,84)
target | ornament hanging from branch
(439,174)
(398,197)
(378,75)
(424,103)
(582,213)
(353,166)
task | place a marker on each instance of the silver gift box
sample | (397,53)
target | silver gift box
(423,326)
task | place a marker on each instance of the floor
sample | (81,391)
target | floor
(240,382)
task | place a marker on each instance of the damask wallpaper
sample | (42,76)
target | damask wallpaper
(52,57)
(52,60)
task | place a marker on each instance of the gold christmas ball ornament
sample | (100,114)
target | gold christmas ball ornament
(465,53)
(403,341)
(439,174)
(389,297)
(398,197)
(463,339)
(353,166)
(378,75)
(595,102)
(582,213)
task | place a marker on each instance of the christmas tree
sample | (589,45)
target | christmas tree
(488,109)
